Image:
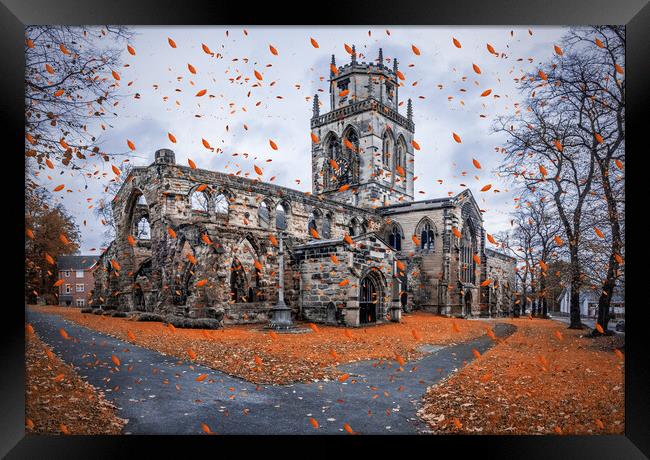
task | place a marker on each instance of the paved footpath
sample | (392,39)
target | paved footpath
(230,405)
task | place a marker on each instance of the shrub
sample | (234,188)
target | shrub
(194,323)
(87,310)
(119,314)
(151,317)
(97,311)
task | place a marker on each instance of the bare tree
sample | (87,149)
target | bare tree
(71,87)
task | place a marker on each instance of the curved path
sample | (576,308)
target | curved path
(382,401)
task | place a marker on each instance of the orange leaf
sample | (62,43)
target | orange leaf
(206,239)
(258,75)
(201,187)
(618,68)
(64,334)
(171,42)
(344,93)
(456,43)
(598,232)
(542,75)
(131,240)
(116,170)
(191,163)
(558,50)
(400,75)
(487,92)
(205,144)
(599,138)
(258,170)
(49,259)
(334,69)
(477,165)
(344,187)
(491,239)
(59,283)
(348,428)
(205,48)
(49,163)
(558,145)
(131,50)
(314,138)
(314,43)
(543,170)
(58,93)
(476,353)
(58,188)
(201,377)
(191,68)
(456,232)
(415,49)
(347,239)
(619,164)
(486,188)
(206,428)
(486,282)
(49,68)
(477,259)
(344,377)
(201,93)
(130,144)
(130,335)
(476,68)
(201,283)
(191,353)
(456,137)
(273,240)
(171,232)
(312,420)
(314,233)
(313,327)
(558,240)
(599,43)
(116,75)
(334,258)
(490,48)
(416,146)
(345,282)
(273,50)
(416,240)
(115,360)
(273,145)
(258,265)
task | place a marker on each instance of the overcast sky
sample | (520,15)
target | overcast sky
(441,81)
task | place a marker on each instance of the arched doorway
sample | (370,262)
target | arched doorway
(403,300)
(368,299)
(468,303)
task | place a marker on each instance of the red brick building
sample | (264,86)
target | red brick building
(77,275)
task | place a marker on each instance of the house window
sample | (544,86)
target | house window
(81,302)
(68,288)
(80,287)
(80,273)
(66,273)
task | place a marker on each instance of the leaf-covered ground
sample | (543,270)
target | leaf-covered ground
(58,401)
(252,353)
(544,379)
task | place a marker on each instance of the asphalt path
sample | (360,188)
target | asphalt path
(159,394)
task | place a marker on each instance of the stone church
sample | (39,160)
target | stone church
(356,250)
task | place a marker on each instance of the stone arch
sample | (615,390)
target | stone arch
(326,225)
(314,221)
(199,202)
(371,292)
(353,227)
(468,247)
(265,213)
(332,146)
(221,202)
(351,135)
(394,234)
(134,209)
(426,233)
(400,153)
(282,213)
(387,148)
(245,278)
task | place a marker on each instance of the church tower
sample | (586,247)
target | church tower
(364,153)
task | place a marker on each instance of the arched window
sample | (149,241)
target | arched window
(326,227)
(400,155)
(221,204)
(395,238)
(427,237)
(143,230)
(281,216)
(352,227)
(333,147)
(312,223)
(142,200)
(264,214)
(199,202)
(350,154)
(467,251)
(387,149)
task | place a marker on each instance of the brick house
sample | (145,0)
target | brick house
(77,273)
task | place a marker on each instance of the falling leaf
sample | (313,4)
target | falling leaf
(201,93)
(487,92)
(313,327)
(130,335)
(58,188)
(201,377)
(131,240)
(58,93)
(191,163)
(258,170)
(347,239)
(191,353)
(477,165)
(400,75)
(416,335)
(314,233)
(477,259)
(457,423)
(598,232)
(312,420)
(558,50)
(599,138)
(416,146)
(201,283)
(599,43)
(116,75)
(456,43)
(273,50)
(115,265)
(273,240)
(115,360)
(456,232)
(486,282)
(345,282)
(558,145)
(476,353)
(130,49)
(486,188)
(273,145)
(415,49)
(543,170)
(558,334)
(542,75)
(456,137)
(599,328)
(490,48)
(334,258)
(171,232)
(171,42)
(344,377)
(206,428)
(558,240)
(116,170)
(130,144)
(344,93)
(618,68)
(348,428)
(59,282)
(314,138)
(314,43)
(476,68)
(258,75)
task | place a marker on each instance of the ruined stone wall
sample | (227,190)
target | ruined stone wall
(330,290)
(191,268)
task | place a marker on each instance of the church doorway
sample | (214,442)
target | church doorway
(368,299)
(468,303)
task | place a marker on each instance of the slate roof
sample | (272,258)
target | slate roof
(75,262)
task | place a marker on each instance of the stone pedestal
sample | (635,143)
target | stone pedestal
(396,312)
(281,317)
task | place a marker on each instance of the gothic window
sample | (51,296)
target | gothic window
(281,216)
(395,238)
(352,227)
(348,161)
(326,228)
(426,234)
(387,150)
(312,223)
(400,156)
(199,202)
(143,230)
(142,200)
(264,214)
(390,91)
(221,204)
(467,251)
(333,152)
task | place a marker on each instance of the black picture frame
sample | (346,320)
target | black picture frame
(635,14)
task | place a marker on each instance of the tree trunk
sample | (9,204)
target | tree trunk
(576,284)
